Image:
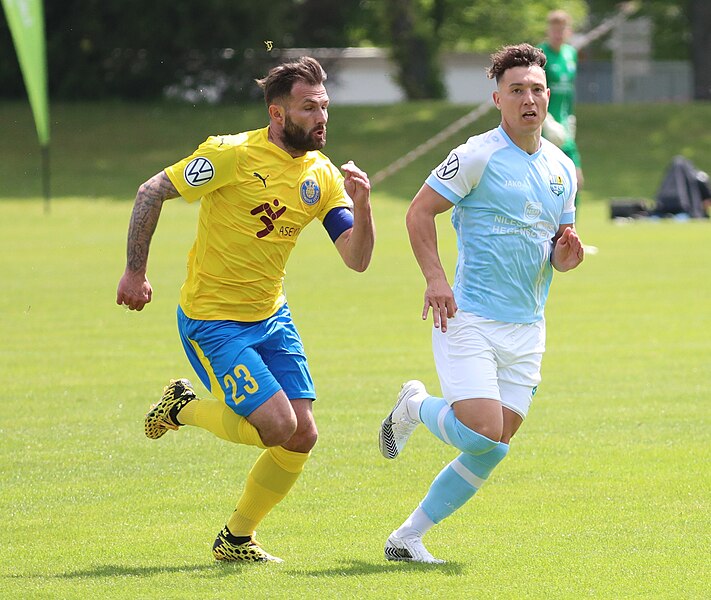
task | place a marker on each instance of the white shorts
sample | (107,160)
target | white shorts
(481,358)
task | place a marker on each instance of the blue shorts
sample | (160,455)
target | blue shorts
(244,363)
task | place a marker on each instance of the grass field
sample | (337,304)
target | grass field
(605,493)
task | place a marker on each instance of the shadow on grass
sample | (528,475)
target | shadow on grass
(361,567)
(345,568)
(214,569)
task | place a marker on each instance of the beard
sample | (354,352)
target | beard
(299,139)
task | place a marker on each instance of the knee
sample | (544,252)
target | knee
(278,432)
(306,434)
(490,431)
(478,439)
(484,418)
(303,440)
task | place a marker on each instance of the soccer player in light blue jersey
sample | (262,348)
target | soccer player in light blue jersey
(512,194)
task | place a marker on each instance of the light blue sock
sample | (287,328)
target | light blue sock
(439,418)
(459,481)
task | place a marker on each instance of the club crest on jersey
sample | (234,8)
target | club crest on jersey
(199,171)
(449,167)
(556,183)
(310,192)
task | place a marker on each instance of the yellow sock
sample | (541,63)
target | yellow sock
(220,419)
(269,481)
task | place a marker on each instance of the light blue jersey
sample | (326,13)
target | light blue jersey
(508,206)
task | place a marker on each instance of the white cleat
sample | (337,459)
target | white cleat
(398,426)
(409,549)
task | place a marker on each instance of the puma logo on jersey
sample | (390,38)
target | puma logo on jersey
(262,179)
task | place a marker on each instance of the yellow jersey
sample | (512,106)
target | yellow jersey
(255,199)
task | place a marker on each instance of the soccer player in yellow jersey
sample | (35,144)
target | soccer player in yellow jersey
(257,191)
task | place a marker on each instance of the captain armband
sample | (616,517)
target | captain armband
(337,221)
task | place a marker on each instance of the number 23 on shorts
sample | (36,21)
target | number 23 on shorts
(243,380)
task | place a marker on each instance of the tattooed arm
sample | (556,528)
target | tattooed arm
(134,290)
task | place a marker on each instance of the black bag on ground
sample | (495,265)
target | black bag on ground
(683,191)
(626,208)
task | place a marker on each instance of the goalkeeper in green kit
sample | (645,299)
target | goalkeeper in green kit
(561,68)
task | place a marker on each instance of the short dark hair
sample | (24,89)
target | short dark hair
(508,57)
(281,79)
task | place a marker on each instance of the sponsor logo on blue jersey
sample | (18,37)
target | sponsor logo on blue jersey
(449,167)
(533,211)
(310,192)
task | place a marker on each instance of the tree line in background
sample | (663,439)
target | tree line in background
(131,49)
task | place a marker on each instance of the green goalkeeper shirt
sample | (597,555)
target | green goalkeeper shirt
(561,68)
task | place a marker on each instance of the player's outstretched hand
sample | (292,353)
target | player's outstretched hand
(134,291)
(356,183)
(568,252)
(440,297)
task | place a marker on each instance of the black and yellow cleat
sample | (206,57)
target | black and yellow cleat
(163,414)
(248,551)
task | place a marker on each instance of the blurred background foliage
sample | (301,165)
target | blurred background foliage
(131,49)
